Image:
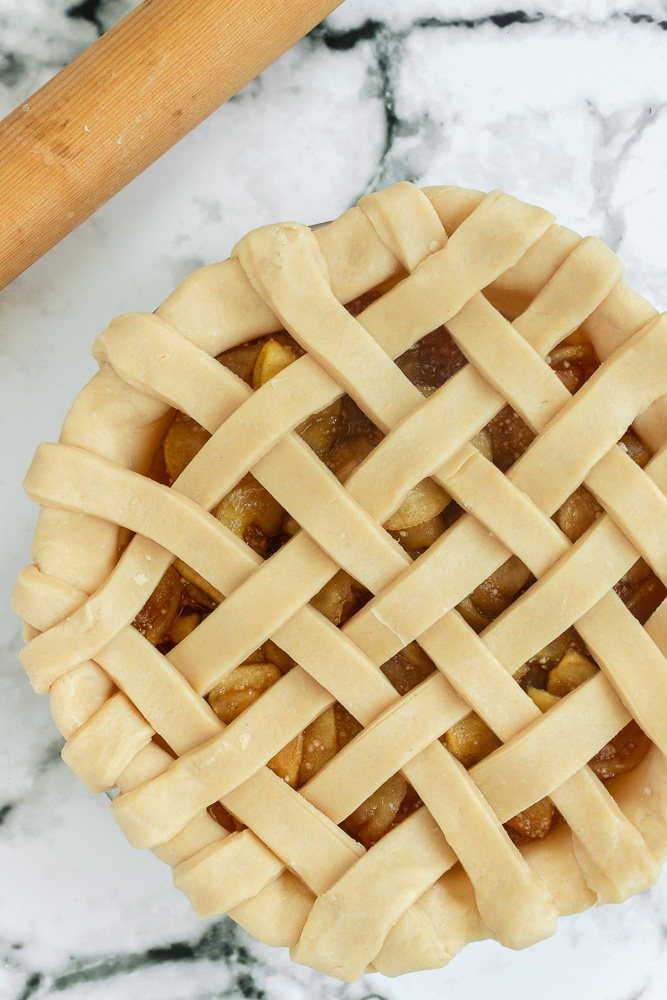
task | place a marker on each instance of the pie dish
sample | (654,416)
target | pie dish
(432,705)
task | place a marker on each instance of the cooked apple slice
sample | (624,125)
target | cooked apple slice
(574,364)
(374,816)
(340,598)
(578,513)
(241,360)
(347,726)
(534,822)
(183,626)
(423,502)
(322,429)
(499,590)
(287,762)
(572,671)
(408,668)
(274,654)
(543,699)
(470,740)
(420,536)
(510,436)
(471,614)
(204,593)
(272,359)
(160,611)
(182,441)
(251,513)
(635,448)
(320,744)
(347,454)
(241,688)
(484,443)
(621,754)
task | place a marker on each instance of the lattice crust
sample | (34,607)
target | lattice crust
(293,876)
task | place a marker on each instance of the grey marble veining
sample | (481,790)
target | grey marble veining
(562,103)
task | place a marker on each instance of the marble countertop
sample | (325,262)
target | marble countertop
(562,103)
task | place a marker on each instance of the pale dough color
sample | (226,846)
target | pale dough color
(294,877)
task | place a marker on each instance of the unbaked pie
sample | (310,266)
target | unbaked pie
(350,575)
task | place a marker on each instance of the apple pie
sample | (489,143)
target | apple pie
(350,576)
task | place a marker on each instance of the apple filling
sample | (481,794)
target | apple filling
(342,437)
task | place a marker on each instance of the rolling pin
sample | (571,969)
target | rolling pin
(125,101)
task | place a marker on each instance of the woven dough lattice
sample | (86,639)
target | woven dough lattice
(449,873)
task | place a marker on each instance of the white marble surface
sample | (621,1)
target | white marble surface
(564,104)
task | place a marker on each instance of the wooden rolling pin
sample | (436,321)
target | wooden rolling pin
(125,101)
